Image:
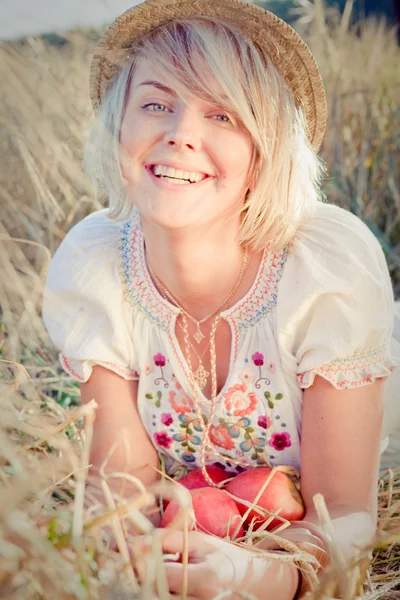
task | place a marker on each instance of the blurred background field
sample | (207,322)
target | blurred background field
(45,113)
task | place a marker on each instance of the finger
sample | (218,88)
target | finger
(195,578)
(172,541)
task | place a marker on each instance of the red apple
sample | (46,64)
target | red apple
(215,512)
(280,493)
(195,479)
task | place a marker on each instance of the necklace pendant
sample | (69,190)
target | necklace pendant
(201,376)
(198,336)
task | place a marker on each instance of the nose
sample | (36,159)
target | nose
(184,132)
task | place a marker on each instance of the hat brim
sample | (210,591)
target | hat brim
(284,47)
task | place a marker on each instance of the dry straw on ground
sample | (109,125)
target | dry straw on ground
(54,544)
(49,545)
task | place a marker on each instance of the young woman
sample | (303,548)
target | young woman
(219,310)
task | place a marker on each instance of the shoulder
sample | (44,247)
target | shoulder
(93,231)
(90,249)
(335,249)
(331,223)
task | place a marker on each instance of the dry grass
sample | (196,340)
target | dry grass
(52,545)
(49,545)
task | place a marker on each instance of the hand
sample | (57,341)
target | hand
(216,566)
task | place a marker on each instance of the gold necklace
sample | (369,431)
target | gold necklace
(200,374)
(206,424)
(198,336)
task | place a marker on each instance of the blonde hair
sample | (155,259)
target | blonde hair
(218,63)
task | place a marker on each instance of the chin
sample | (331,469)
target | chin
(172,217)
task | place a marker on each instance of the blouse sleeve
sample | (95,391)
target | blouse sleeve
(335,307)
(84,310)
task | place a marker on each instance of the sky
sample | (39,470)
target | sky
(32,17)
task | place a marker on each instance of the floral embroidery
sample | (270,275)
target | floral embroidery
(235,427)
(239,431)
(159,361)
(81,365)
(256,445)
(154,399)
(264,421)
(140,291)
(220,437)
(262,297)
(138,287)
(180,402)
(228,430)
(162,439)
(239,400)
(242,426)
(271,366)
(148,369)
(258,360)
(352,371)
(272,399)
(187,438)
(246,376)
(166,419)
(280,441)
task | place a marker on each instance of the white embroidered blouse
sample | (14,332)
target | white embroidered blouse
(322,306)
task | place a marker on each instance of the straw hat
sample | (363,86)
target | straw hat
(282,44)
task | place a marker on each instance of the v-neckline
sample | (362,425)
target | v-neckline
(227,315)
(175,311)
(140,290)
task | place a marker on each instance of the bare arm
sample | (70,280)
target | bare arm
(340,450)
(117,416)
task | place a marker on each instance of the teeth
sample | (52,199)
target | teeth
(176,181)
(177,174)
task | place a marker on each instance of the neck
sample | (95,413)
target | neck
(199,270)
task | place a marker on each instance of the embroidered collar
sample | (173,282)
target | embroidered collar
(141,292)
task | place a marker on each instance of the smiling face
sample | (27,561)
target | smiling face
(185,161)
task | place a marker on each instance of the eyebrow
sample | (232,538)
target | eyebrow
(158,85)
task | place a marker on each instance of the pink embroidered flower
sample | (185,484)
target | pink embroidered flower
(258,359)
(239,400)
(264,421)
(220,437)
(280,441)
(148,369)
(162,439)
(180,402)
(246,376)
(271,366)
(178,385)
(159,359)
(166,419)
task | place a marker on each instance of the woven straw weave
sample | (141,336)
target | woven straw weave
(281,43)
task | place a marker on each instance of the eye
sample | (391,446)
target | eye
(222,117)
(156,107)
